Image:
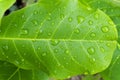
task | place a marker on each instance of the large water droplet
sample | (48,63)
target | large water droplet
(91,50)
(55,42)
(44,54)
(24,31)
(104,29)
(70,19)
(80,19)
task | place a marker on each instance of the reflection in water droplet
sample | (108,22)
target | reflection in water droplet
(104,29)
(44,54)
(92,34)
(91,50)
(90,22)
(80,19)
(70,19)
(24,31)
(77,31)
(55,42)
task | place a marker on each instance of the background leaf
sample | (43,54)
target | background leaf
(4,5)
(62,38)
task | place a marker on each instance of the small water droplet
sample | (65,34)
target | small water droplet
(49,34)
(96,16)
(104,29)
(62,16)
(91,50)
(35,22)
(108,44)
(67,51)
(92,34)
(94,59)
(53,23)
(70,19)
(55,42)
(44,54)
(5,47)
(90,22)
(55,50)
(24,31)
(16,62)
(80,19)
(102,49)
(22,60)
(77,31)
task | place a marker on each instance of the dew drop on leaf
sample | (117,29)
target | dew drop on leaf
(92,34)
(102,49)
(91,50)
(104,29)
(90,22)
(96,16)
(44,54)
(55,42)
(35,22)
(77,31)
(80,19)
(24,31)
(16,62)
(5,47)
(62,16)
(70,19)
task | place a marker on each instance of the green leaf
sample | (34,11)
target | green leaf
(4,5)
(110,7)
(61,37)
(9,71)
(113,71)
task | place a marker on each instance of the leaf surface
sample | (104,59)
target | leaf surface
(9,71)
(61,37)
(4,5)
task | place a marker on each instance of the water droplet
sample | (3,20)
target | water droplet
(55,42)
(67,51)
(49,14)
(70,19)
(108,44)
(110,22)
(49,34)
(16,62)
(53,23)
(62,16)
(102,49)
(55,50)
(44,54)
(49,18)
(91,50)
(41,31)
(94,59)
(80,19)
(77,31)
(5,47)
(90,22)
(104,29)
(96,16)
(92,34)
(24,31)
(35,22)
(22,60)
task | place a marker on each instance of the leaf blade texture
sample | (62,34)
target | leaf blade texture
(62,38)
